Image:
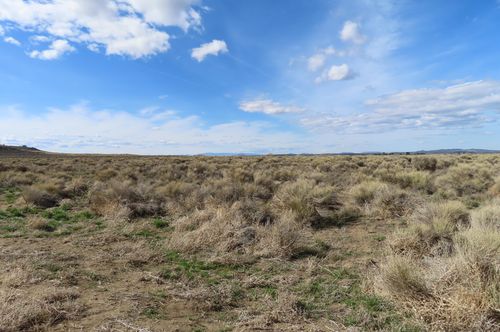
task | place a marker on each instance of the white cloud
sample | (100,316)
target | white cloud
(2,31)
(465,105)
(155,131)
(39,39)
(350,32)
(125,27)
(12,40)
(215,47)
(317,61)
(267,106)
(336,73)
(57,49)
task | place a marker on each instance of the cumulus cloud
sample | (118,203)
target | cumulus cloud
(336,73)
(317,61)
(121,27)
(268,106)
(12,40)
(350,32)
(149,131)
(465,105)
(57,49)
(215,47)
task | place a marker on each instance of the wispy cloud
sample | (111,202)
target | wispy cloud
(465,105)
(268,106)
(12,40)
(150,131)
(128,27)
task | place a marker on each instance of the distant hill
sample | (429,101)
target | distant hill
(18,151)
(457,151)
(25,151)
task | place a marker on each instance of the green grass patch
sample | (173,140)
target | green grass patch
(178,267)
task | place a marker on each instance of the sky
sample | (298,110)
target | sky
(249,76)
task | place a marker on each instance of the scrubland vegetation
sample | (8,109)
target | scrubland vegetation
(298,243)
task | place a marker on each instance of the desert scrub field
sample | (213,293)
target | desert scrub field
(276,243)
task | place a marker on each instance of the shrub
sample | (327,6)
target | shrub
(392,202)
(425,163)
(364,193)
(285,238)
(431,230)
(38,197)
(455,291)
(402,278)
(464,180)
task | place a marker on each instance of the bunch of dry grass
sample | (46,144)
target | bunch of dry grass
(456,290)
(431,229)
(22,311)
(123,200)
(286,237)
(465,180)
(314,205)
(39,197)
(425,163)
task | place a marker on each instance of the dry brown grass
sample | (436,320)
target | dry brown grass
(23,311)
(452,289)
(245,243)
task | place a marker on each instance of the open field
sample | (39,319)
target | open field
(316,243)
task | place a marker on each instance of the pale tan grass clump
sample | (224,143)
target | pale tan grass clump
(23,311)
(430,230)
(365,192)
(314,205)
(464,180)
(39,197)
(205,230)
(285,238)
(495,189)
(455,290)
(117,200)
(392,202)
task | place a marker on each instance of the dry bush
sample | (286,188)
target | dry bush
(464,180)
(23,311)
(457,291)
(425,163)
(286,309)
(417,180)
(431,230)
(39,197)
(314,205)
(392,202)
(123,200)
(495,189)
(284,238)
(365,192)
(218,230)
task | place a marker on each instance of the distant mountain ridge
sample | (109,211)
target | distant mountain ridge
(14,151)
(439,151)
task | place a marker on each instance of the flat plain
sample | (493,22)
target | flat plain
(266,243)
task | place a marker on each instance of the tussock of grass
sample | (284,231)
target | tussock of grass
(455,290)
(20,311)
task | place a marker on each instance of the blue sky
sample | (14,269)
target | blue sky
(262,76)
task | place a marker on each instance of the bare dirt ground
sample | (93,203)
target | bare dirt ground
(117,280)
